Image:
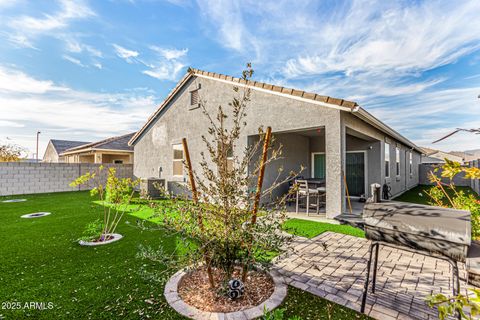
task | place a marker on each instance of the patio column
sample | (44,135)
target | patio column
(335,165)
(98,157)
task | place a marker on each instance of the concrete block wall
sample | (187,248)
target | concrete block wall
(26,178)
(475,183)
(459,179)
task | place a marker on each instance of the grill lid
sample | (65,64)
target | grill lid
(435,223)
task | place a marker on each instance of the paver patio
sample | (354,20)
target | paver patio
(333,266)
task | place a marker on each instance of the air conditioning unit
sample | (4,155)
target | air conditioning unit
(152,187)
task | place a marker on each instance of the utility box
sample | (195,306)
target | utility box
(152,187)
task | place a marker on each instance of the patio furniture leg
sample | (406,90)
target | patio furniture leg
(296,208)
(375,263)
(365,286)
(308,204)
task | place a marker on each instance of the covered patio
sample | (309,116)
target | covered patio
(338,176)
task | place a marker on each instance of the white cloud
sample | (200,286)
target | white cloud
(17,82)
(74,46)
(98,65)
(27,27)
(170,54)
(168,63)
(124,53)
(165,71)
(11,124)
(228,23)
(73,60)
(394,38)
(64,113)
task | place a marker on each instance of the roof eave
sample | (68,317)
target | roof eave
(370,119)
(170,96)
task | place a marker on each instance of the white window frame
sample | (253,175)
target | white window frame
(410,161)
(398,169)
(387,159)
(177,146)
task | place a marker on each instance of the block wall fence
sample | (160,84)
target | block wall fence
(26,178)
(459,179)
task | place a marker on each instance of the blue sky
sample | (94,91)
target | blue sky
(86,70)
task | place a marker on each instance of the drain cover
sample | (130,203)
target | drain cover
(35,215)
(14,200)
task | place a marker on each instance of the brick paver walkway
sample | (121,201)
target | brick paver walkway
(337,272)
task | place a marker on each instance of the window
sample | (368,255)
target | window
(194,100)
(318,166)
(410,160)
(387,160)
(229,157)
(397,161)
(118,161)
(177,160)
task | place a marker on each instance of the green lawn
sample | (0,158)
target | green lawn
(42,262)
(310,229)
(418,195)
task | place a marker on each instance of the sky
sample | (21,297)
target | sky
(86,70)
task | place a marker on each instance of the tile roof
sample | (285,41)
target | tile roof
(285,90)
(113,143)
(261,85)
(62,145)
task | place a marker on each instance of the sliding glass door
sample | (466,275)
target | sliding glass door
(355,173)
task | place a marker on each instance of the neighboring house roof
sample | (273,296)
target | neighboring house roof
(314,98)
(62,145)
(468,155)
(438,156)
(119,143)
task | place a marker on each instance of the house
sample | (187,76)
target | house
(111,150)
(432,156)
(468,155)
(328,136)
(56,147)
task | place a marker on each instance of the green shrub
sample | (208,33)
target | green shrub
(93,230)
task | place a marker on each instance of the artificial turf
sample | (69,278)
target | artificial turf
(41,262)
(418,195)
(310,229)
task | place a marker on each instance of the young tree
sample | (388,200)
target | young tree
(458,199)
(115,194)
(227,189)
(10,152)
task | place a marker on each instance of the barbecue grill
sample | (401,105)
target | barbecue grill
(433,231)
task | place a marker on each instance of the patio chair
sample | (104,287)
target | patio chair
(306,190)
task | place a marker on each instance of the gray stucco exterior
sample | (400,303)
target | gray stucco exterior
(300,126)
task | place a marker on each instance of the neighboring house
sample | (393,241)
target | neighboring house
(467,156)
(56,147)
(328,136)
(111,150)
(432,156)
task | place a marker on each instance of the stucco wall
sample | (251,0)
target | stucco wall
(27,178)
(295,155)
(154,149)
(50,154)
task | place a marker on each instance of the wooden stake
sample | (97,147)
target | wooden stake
(258,194)
(190,170)
(261,174)
(348,195)
(195,200)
